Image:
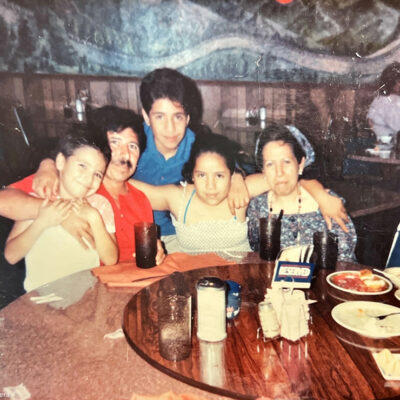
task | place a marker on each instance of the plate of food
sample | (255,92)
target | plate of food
(359,282)
(360,317)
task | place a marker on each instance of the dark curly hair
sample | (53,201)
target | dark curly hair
(68,144)
(112,118)
(390,75)
(273,133)
(167,83)
(211,143)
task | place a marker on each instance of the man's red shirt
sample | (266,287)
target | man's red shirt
(134,207)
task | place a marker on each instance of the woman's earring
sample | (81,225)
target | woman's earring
(300,172)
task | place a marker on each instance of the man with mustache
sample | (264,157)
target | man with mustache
(124,132)
(123,129)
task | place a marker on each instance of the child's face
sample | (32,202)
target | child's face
(211,178)
(168,121)
(81,173)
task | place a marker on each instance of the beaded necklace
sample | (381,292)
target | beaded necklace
(271,209)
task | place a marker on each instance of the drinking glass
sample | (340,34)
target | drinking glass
(270,237)
(325,249)
(145,244)
(175,326)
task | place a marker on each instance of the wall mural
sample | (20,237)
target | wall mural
(343,41)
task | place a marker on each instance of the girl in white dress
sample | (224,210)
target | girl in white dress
(199,206)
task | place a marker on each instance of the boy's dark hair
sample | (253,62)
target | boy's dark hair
(211,143)
(68,144)
(273,133)
(112,118)
(167,83)
(390,75)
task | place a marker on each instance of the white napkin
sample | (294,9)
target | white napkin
(19,392)
(292,310)
(298,253)
(275,297)
(117,334)
(293,321)
(388,363)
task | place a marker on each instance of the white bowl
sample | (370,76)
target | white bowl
(384,153)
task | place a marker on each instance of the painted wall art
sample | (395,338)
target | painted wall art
(344,41)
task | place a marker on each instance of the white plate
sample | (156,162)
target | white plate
(387,377)
(382,153)
(356,316)
(388,289)
(394,275)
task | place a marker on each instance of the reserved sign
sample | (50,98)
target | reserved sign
(293,274)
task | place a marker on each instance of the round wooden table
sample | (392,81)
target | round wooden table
(331,362)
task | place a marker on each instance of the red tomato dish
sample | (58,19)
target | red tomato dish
(359,281)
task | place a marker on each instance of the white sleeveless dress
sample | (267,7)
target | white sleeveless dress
(209,236)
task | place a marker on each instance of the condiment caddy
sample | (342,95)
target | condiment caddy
(284,312)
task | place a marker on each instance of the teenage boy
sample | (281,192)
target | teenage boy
(166,98)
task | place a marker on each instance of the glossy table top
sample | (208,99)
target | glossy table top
(60,350)
(329,363)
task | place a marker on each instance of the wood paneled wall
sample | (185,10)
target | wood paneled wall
(325,113)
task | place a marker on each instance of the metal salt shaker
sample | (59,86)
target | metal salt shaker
(211,309)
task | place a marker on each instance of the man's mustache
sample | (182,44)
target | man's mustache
(123,162)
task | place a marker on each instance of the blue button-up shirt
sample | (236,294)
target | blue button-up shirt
(153,168)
